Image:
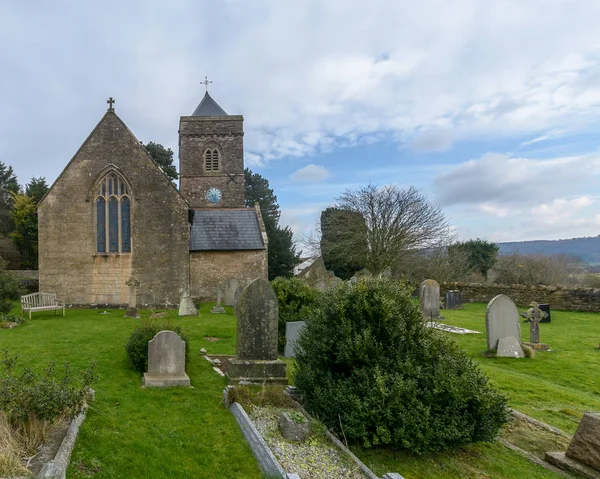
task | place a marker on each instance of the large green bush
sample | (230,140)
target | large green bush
(297,302)
(371,370)
(137,344)
(27,395)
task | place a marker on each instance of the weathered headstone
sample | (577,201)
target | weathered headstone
(132,311)
(583,453)
(217,308)
(230,288)
(166,361)
(256,351)
(186,304)
(236,299)
(292,332)
(501,320)
(429,298)
(545,307)
(535,316)
(453,300)
(509,348)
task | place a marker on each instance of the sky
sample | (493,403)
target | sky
(492,109)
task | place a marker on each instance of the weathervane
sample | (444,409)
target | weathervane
(110,102)
(205,83)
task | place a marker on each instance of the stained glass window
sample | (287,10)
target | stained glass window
(125,224)
(101,225)
(113,228)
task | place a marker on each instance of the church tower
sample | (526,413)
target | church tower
(211,157)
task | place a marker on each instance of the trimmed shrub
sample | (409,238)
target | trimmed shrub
(369,369)
(297,302)
(137,345)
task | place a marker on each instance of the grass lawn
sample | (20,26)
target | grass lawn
(132,432)
(556,386)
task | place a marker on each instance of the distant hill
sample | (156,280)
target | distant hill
(587,249)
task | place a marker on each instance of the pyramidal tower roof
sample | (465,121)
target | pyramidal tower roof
(209,107)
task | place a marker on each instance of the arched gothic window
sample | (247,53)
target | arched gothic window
(113,216)
(211,160)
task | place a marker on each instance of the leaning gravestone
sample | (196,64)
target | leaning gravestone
(429,298)
(230,288)
(501,321)
(166,361)
(509,348)
(256,351)
(583,453)
(292,332)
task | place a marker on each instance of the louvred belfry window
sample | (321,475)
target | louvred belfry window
(113,216)
(211,160)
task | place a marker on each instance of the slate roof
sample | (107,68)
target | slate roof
(225,230)
(209,107)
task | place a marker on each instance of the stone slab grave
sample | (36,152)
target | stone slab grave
(230,288)
(292,333)
(450,329)
(429,299)
(166,361)
(502,321)
(256,350)
(583,454)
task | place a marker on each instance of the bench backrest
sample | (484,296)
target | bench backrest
(36,300)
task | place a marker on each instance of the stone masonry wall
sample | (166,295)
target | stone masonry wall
(568,299)
(224,133)
(211,269)
(68,262)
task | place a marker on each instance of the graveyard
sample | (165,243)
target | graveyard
(185,432)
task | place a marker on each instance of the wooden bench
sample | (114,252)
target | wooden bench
(40,302)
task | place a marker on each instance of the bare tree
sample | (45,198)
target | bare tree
(396,224)
(536,269)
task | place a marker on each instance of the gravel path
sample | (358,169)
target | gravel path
(313,459)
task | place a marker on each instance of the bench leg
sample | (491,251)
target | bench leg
(30,314)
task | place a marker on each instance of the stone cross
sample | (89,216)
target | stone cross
(110,102)
(206,82)
(535,315)
(217,308)
(132,311)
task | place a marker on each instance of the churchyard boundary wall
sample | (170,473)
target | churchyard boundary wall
(558,297)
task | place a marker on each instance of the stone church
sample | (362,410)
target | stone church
(113,215)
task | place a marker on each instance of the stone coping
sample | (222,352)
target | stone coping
(266,459)
(57,468)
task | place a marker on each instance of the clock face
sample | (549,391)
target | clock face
(213,195)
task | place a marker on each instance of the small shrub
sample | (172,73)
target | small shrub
(137,345)
(297,302)
(368,368)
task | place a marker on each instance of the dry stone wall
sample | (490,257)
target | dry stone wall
(558,297)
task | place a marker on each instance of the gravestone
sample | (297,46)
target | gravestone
(256,350)
(509,348)
(535,316)
(186,304)
(429,298)
(583,453)
(217,308)
(166,361)
(236,299)
(132,311)
(230,288)
(546,309)
(292,332)
(453,300)
(501,321)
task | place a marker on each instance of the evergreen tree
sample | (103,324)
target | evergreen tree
(282,251)
(164,158)
(481,254)
(25,233)
(8,187)
(36,189)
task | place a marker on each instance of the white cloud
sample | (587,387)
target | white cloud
(312,173)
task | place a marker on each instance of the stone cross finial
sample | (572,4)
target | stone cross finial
(110,102)
(206,82)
